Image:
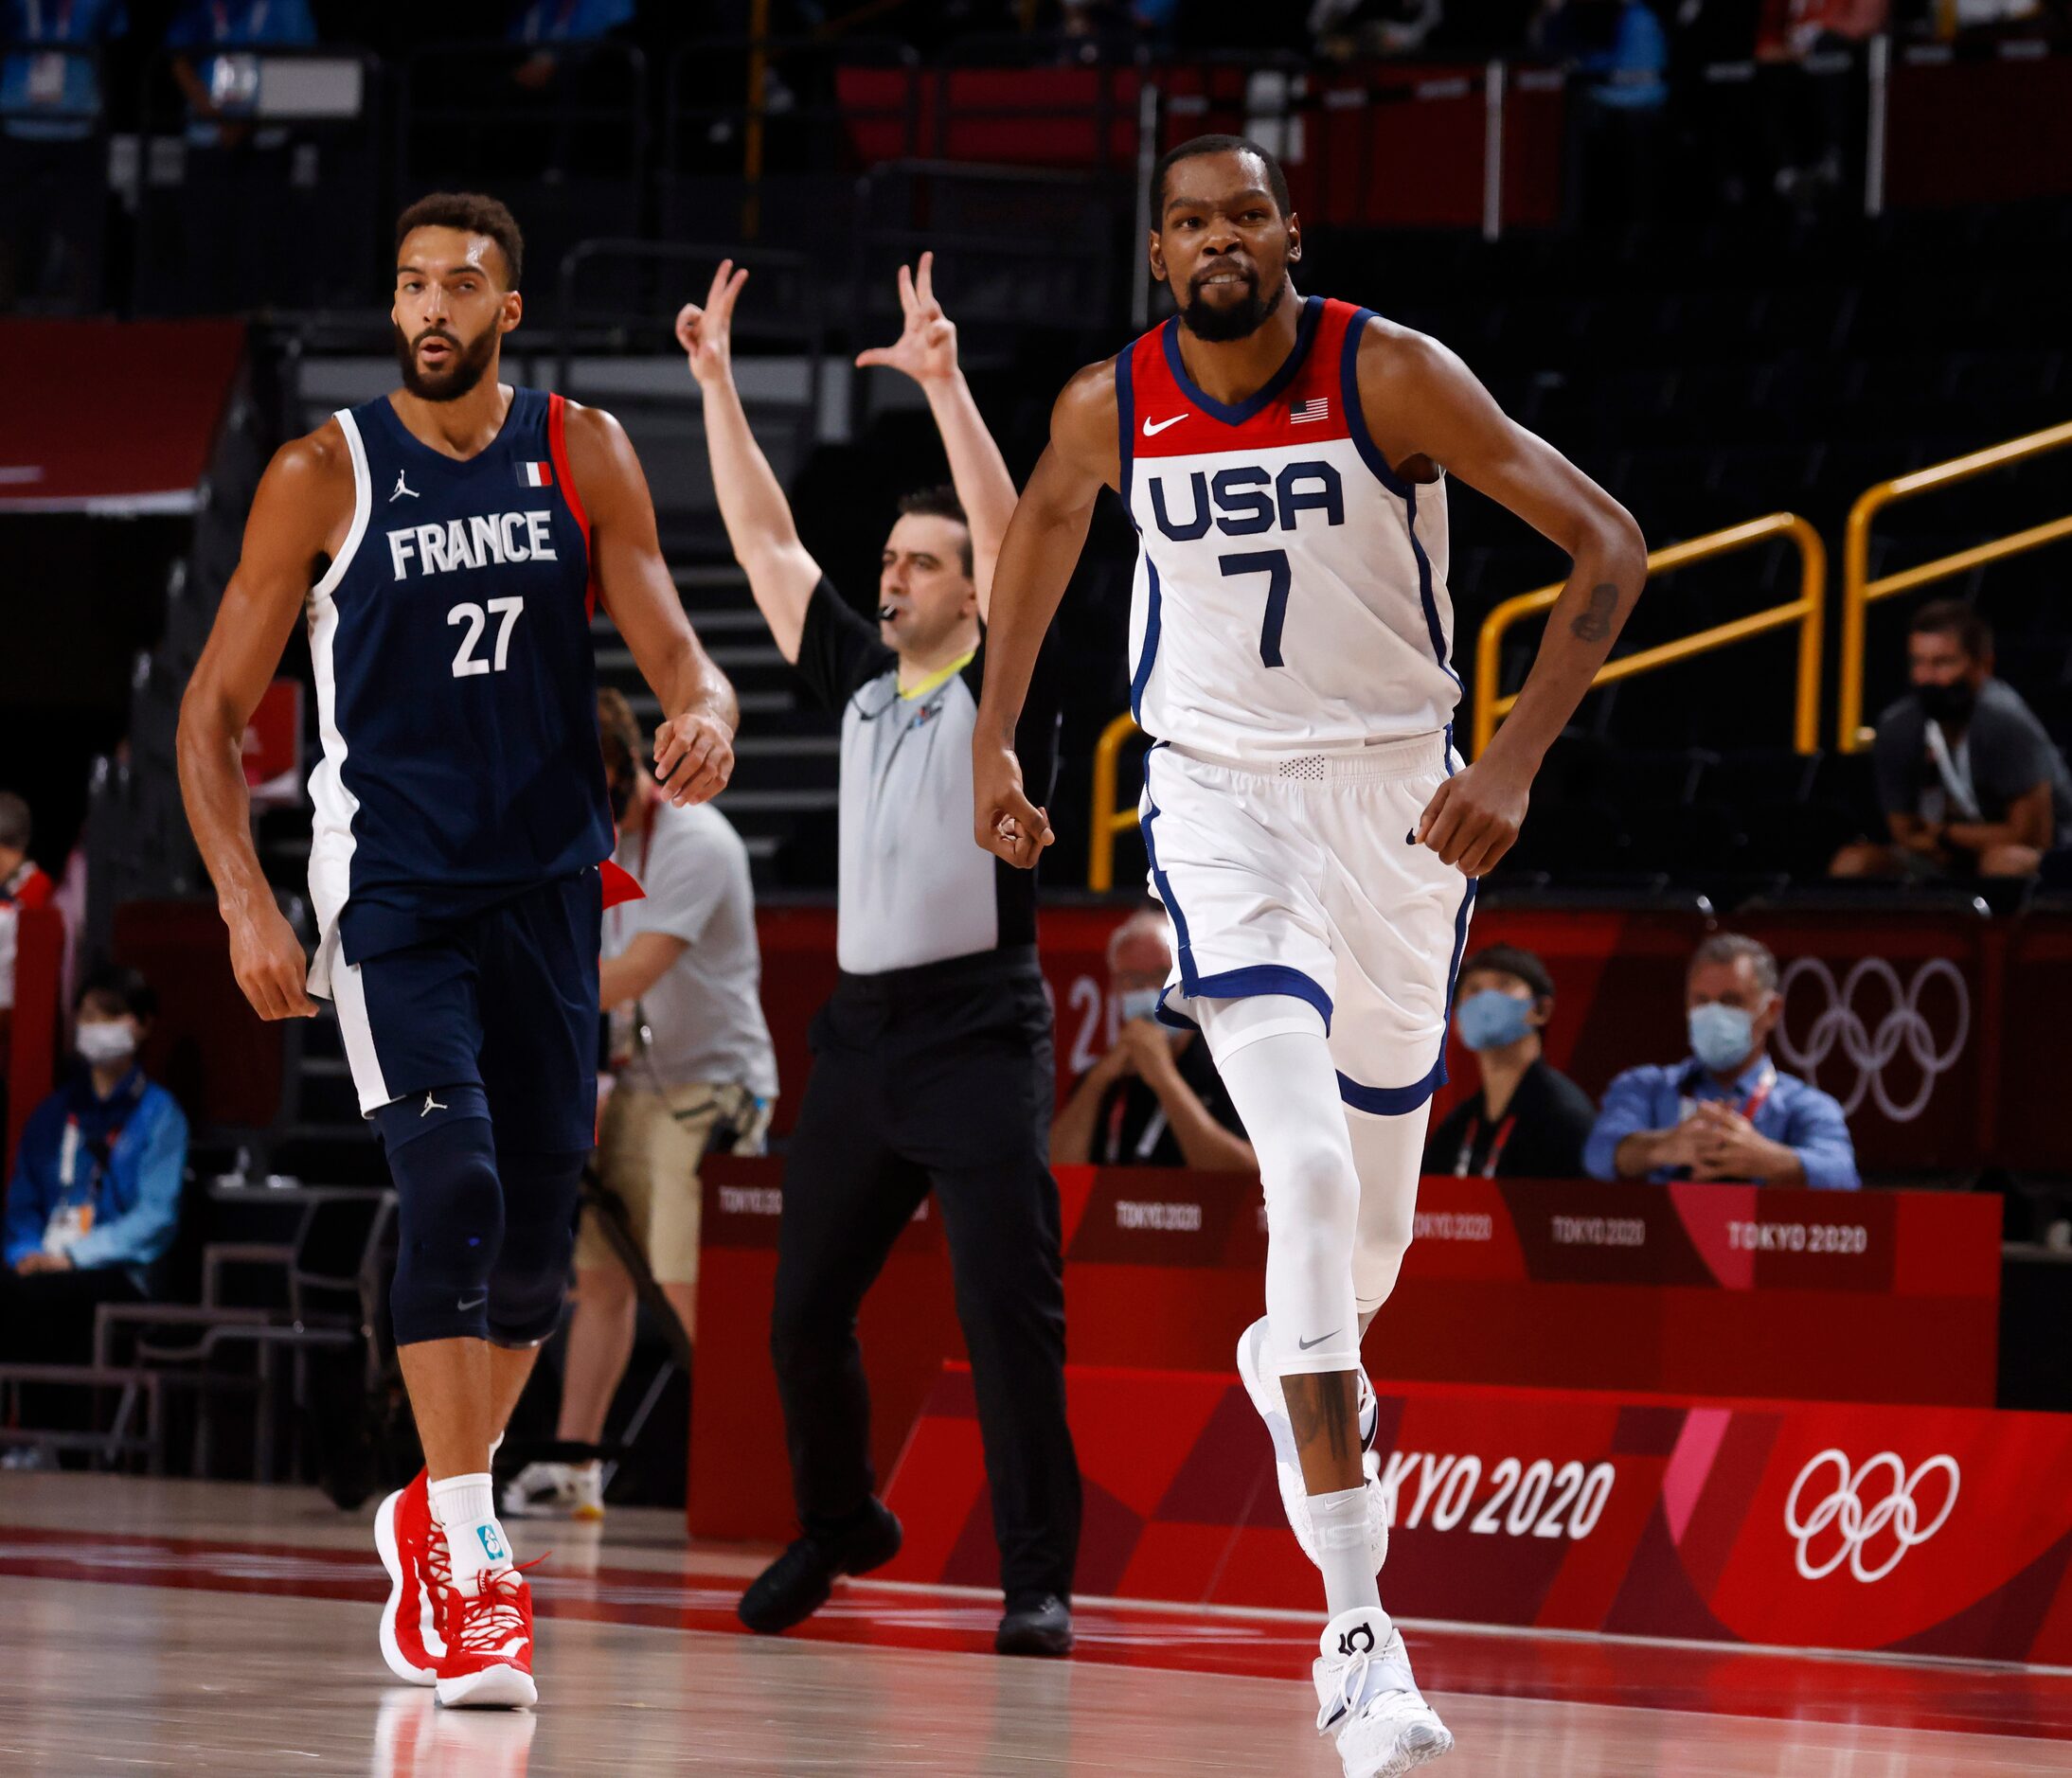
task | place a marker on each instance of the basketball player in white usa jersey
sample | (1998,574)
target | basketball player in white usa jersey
(1311,829)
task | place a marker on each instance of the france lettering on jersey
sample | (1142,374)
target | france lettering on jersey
(455,689)
(1290,589)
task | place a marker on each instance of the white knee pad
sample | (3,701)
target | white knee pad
(1388,1153)
(1277,1066)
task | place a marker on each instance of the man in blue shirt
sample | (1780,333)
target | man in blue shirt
(1725,1112)
(96,1191)
(48,94)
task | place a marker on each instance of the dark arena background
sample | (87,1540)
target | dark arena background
(1686,1474)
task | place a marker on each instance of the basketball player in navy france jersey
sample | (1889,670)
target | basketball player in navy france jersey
(446,543)
(1310,828)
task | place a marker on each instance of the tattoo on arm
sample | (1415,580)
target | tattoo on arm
(1594,624)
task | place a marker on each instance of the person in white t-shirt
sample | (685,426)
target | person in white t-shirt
(692,1070)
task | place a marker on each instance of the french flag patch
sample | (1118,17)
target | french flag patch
(535,475)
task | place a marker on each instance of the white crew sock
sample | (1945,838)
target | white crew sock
(465,1506)
(1342,1551)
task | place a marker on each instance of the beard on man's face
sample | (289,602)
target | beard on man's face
(1218,323)
(462,371)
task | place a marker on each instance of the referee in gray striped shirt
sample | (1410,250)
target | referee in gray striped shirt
(932,1062)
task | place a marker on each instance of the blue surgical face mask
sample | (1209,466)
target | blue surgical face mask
(1491,1019)
(1722,1036)
(1139,1003)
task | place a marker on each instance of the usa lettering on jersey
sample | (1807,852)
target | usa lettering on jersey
(479,542)
(1291,587)
(1244,508)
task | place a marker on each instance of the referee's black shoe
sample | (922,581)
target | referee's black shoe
(797,1585)
(1035,1625)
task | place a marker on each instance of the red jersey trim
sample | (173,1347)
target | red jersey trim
(557,448)
(1307,404)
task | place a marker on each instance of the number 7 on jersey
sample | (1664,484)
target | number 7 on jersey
(1273,563)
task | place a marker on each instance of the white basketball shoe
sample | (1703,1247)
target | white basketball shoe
(1264,1386)
(556,1490)
(1368,1700)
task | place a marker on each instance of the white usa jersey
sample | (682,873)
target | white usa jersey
(1290,588)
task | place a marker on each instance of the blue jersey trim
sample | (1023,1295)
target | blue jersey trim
(1185,954)
(1395,1101)
(527,406)
(1312,313)
(1392,1101)
(1371,453)
(1125,419)
(1148,655)
(1249,983)
(1125,442)
(1349,397)
(1432,628)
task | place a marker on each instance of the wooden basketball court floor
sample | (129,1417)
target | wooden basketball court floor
(215,1628)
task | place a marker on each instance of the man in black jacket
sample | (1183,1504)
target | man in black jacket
(1527,1121)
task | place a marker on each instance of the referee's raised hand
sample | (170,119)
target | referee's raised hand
(927,349)
(1009,825)
(707,334)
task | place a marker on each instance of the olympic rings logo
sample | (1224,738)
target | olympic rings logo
(1843,1510)
(1866,1050)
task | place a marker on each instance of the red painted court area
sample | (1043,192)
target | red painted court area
(1915,1695)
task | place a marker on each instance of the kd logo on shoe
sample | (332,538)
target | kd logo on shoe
(492,1545)
(1358,1639)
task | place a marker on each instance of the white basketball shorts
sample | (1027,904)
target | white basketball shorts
(1299,877)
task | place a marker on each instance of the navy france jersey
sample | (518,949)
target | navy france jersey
(457,694)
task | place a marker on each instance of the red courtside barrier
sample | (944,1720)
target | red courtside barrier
(1690,1290)
(1939,1530)
(1921,1024)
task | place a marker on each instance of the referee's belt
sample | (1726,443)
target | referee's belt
(975,968)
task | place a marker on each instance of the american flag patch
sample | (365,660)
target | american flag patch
(535,475)
(1304,412)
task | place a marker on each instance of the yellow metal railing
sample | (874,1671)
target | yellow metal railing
(1805,611)
(1107,819)
(1859,590)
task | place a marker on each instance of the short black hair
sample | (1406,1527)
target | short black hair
(940,502)
(118,982)
(1953,617)
(478,214)
(1511,960)
(1195,146)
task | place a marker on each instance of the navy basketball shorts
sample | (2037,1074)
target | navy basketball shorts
(506,1000)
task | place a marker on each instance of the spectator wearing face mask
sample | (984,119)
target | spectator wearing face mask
(96,1191)
(1527,1121)
(1971,782)
(1726,1111)
(1155,1098)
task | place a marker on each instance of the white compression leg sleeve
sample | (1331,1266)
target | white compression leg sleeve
(1277,1066)
(1388,1155)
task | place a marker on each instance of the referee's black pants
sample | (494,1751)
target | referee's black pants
(939,1077)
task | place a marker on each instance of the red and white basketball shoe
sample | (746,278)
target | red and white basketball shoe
(419,1568)
(488,1663)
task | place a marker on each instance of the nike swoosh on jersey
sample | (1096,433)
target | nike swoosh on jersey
(1152,430)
